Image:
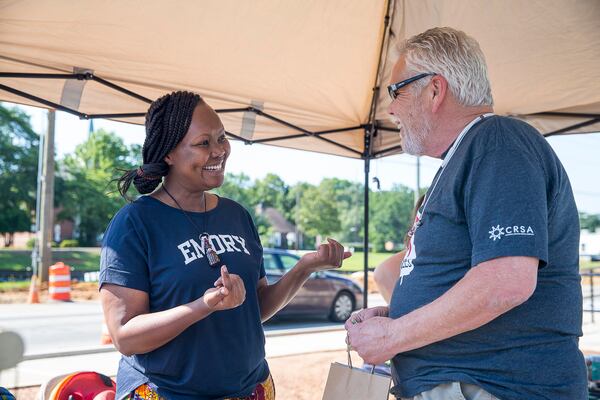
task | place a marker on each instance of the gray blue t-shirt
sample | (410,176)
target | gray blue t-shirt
(153,247)
(503,193)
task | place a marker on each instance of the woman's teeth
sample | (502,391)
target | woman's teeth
(213,167)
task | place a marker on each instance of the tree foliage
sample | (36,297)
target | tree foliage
(19,149)
(318,213)
(591,222)
(85,193)
(390,215)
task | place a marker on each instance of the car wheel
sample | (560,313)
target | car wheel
(342,307)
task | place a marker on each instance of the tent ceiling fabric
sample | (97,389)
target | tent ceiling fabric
(542,55)
(310,63)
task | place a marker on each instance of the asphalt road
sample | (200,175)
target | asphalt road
(63,327)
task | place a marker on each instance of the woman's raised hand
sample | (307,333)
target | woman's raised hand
(328,255)
(229,292)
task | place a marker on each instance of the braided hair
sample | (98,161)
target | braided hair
(167,121)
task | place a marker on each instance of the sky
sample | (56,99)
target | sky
(580,155)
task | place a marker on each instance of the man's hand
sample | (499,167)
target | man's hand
(365,314)
(328,255)
(229,292)
(372,339)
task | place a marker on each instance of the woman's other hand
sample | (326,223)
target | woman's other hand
(229,292)
(328,255)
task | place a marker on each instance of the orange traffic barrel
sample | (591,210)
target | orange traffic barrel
(59,282)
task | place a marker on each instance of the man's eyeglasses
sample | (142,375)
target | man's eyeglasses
(393,89)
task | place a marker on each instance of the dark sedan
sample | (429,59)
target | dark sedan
(325,293)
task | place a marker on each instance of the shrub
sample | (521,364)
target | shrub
(69,243)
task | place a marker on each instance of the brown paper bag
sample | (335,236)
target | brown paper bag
(347,383)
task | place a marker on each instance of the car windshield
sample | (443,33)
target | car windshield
(288,261)
(270,263)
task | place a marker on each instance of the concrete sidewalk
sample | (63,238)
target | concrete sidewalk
(105,359)
(589,343)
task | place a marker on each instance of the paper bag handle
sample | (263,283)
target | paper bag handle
(348,349)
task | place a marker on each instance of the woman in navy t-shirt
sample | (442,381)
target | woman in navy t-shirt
(182,281)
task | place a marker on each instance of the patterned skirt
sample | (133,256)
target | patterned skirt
(263,391)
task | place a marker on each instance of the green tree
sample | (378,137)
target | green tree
(240,188)
(317,213)
(349,198)
(19,148)
(85,193)
(271,191)
(589,221)
(390,216)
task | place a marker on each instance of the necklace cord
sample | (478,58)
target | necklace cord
(201,231)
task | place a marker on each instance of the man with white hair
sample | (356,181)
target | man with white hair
(490,305)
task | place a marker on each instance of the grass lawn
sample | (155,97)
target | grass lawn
(13,285)
(89,260)
(80,260)
(589,264)
(356,262)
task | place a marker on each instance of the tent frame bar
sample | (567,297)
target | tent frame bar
(86,76)
(90,76)
(42,101)
(565,114)
(566,129)
(594,118)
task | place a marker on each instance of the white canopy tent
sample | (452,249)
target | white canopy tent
(307,74)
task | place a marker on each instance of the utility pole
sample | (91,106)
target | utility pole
(47,201)
(35,253)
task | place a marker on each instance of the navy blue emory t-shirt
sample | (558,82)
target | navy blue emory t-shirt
(503,193)
(153,247)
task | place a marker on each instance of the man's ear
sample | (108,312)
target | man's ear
(439,90)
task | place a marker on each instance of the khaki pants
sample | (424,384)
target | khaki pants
(454,391)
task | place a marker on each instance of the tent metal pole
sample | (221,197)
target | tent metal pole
(307,132)
(119,88)
(301,135)
(20,75)
(108,116)
(565,114)
(366,218)
(40,100)
(381,153)
(573,127)
(241,139)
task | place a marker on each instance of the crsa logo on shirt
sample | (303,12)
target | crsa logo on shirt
(497,232)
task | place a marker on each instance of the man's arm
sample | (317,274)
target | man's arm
(487,291)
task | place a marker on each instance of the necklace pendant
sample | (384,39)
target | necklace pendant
(211,254)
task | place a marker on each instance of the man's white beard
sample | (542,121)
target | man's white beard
(413,133)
